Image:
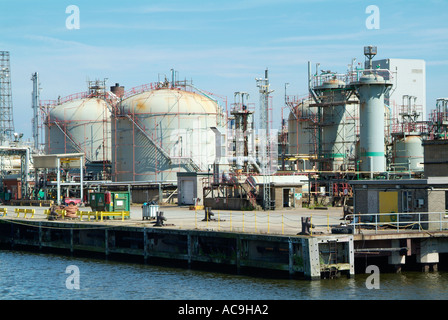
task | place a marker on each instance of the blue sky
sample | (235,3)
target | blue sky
(221,45)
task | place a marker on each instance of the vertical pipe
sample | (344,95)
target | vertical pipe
(35,106)
(309,76)
(290,256)
(268,222)
(255,215)
(376,223)
(92,141)
(189,251)
(309,189)
(311,225)
(160,194)
(26,173)
(283,226)
(58,167)
(230,220)
(81,178)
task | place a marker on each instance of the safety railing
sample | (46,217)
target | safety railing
(404,221)
(261,222)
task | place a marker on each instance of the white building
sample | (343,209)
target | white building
(409,80)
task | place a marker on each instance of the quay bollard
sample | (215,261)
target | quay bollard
(160,219)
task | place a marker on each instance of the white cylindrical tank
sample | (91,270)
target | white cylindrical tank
(161,132)
(408,153)
(371,89)
(82,125)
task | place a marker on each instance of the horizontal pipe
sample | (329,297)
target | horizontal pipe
(381,249)
(251,160)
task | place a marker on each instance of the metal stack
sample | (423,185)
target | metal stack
(371,89)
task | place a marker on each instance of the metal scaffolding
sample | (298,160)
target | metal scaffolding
(6,107)
(265,147)
(337,124)
(241,134)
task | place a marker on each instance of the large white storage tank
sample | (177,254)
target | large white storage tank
(164,131)
(81,125)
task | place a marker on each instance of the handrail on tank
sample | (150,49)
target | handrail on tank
(72,97)
(75,96)
(140,89)
(357,74)
(320,79)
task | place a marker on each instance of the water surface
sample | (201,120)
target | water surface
(36,276)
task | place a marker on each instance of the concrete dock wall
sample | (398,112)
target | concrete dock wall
(302,255)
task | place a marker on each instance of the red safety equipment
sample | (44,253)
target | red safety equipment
(107,198)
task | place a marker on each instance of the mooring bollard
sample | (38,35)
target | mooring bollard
(160,219)
(306,226)
(208,214)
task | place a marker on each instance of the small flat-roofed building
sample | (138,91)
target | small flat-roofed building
(404,196)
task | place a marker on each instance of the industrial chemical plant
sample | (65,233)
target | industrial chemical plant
(171,142)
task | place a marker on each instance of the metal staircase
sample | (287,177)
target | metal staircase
(75,144)
(175,160)
(250,196)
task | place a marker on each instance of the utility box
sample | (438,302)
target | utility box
(5,196)
(110,201)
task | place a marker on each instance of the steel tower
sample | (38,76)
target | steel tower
(264,137)
(6,116)
(35,107)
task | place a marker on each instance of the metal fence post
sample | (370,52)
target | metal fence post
(376,223)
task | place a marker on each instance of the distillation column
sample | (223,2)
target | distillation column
(371,89)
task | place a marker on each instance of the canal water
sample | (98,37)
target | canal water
(35,276)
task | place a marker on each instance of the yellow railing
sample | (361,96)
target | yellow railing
(59,211)
(121,214)
(96,214)
(25,212)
